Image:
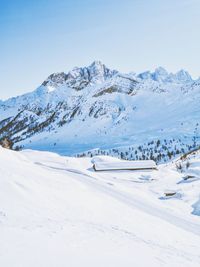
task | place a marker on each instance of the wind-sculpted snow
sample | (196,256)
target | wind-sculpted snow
(95,107)
(56,211)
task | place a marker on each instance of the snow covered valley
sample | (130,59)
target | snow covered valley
(57,211)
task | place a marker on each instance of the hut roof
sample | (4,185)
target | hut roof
(125,165)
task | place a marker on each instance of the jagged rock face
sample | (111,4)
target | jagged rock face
(79,78)
(161,75)
(55,80)
(95,106)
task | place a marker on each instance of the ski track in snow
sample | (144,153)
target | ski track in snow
(130,200)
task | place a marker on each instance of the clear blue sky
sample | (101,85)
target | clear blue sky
(40,37)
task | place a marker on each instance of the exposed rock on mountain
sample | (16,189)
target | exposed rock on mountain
(95,107)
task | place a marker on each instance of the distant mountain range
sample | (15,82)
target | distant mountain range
(102,111)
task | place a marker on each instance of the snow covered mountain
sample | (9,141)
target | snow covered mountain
(102,111)
(56,211)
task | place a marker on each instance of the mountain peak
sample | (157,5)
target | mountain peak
(96,68)
(55,79)
(183,76)
(97,63)
(98,72)
(161,70)
(160,74)
(80,77)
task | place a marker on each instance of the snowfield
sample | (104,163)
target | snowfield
(56,211)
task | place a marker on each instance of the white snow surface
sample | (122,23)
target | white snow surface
(56,211)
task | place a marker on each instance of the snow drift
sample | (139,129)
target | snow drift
(56,211)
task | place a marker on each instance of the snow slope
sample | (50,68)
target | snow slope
(95,107)
(56,211)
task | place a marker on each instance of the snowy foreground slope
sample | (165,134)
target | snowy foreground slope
(56,211)
(133,116)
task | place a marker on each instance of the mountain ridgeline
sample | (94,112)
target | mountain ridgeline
(95,110)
